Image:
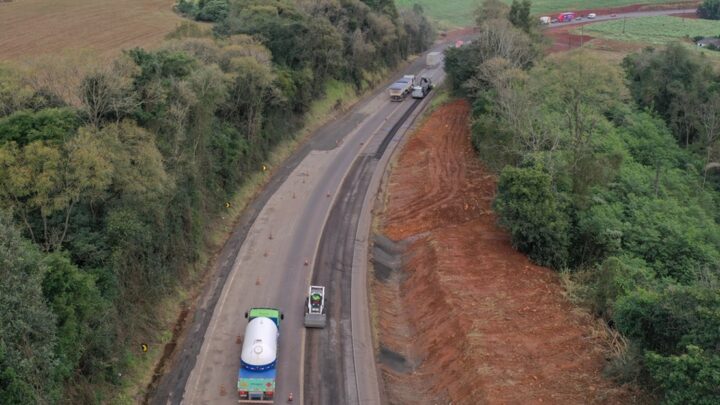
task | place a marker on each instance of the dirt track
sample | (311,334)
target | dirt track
(484,325)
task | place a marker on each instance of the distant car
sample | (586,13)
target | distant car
(613,15)
(591,16)
(579,18)
(554,21)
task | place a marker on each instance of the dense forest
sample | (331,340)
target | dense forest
(610,174)
(106,190)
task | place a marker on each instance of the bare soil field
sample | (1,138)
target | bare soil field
(469,320)
(31,28)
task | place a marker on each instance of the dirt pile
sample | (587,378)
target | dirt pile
(469,320)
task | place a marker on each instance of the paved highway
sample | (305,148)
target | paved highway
(315,210)
(304,223)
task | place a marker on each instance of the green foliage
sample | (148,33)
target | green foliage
(528,208)
(689,378)
(27,326)
(617,277)
(53,124)
(519,14)
(606,189)
(671,318)
(212,10)
(204,10)
(81,316)
(709,9)
(118,193)
(673,82)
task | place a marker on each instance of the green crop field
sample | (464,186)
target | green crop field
(653,30)
(460,12)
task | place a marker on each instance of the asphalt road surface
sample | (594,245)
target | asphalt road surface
(306,219)
(314,211)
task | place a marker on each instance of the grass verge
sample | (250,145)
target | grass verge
(657,30)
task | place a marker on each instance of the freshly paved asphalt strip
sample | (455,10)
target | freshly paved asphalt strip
(268,268)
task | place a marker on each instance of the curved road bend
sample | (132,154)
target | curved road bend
(253,269)
(263,264)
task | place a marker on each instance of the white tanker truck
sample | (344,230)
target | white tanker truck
(256,377)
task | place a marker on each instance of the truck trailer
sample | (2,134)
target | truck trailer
(315,316)
(258,359)
(433,59)
(401,88)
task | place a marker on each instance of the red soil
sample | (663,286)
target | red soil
(484,324)
(563,40)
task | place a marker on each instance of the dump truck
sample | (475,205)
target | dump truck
(401,88)
(258,359)
(315,316)
(422,88)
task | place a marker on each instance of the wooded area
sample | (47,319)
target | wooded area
(107,188)
(609,173)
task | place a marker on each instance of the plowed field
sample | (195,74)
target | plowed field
(38,27)
(471,320)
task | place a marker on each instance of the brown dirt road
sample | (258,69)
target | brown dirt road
(484,324)
(40,27)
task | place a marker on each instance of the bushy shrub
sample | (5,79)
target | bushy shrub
(691,378)
(212,10)
(529,209)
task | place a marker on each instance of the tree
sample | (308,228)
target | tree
(689,378)
(55,125)
(80,314)
(499,38)
(41,180)
(107,95)
(674,82)
(519,14)
(708,117)
(709,9)
(490,10)
(529,209)
(27,326)
(580,88)
(212,10)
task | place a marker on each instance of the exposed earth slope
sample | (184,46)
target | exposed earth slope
(484,324)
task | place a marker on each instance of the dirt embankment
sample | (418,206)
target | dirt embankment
(468,319)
